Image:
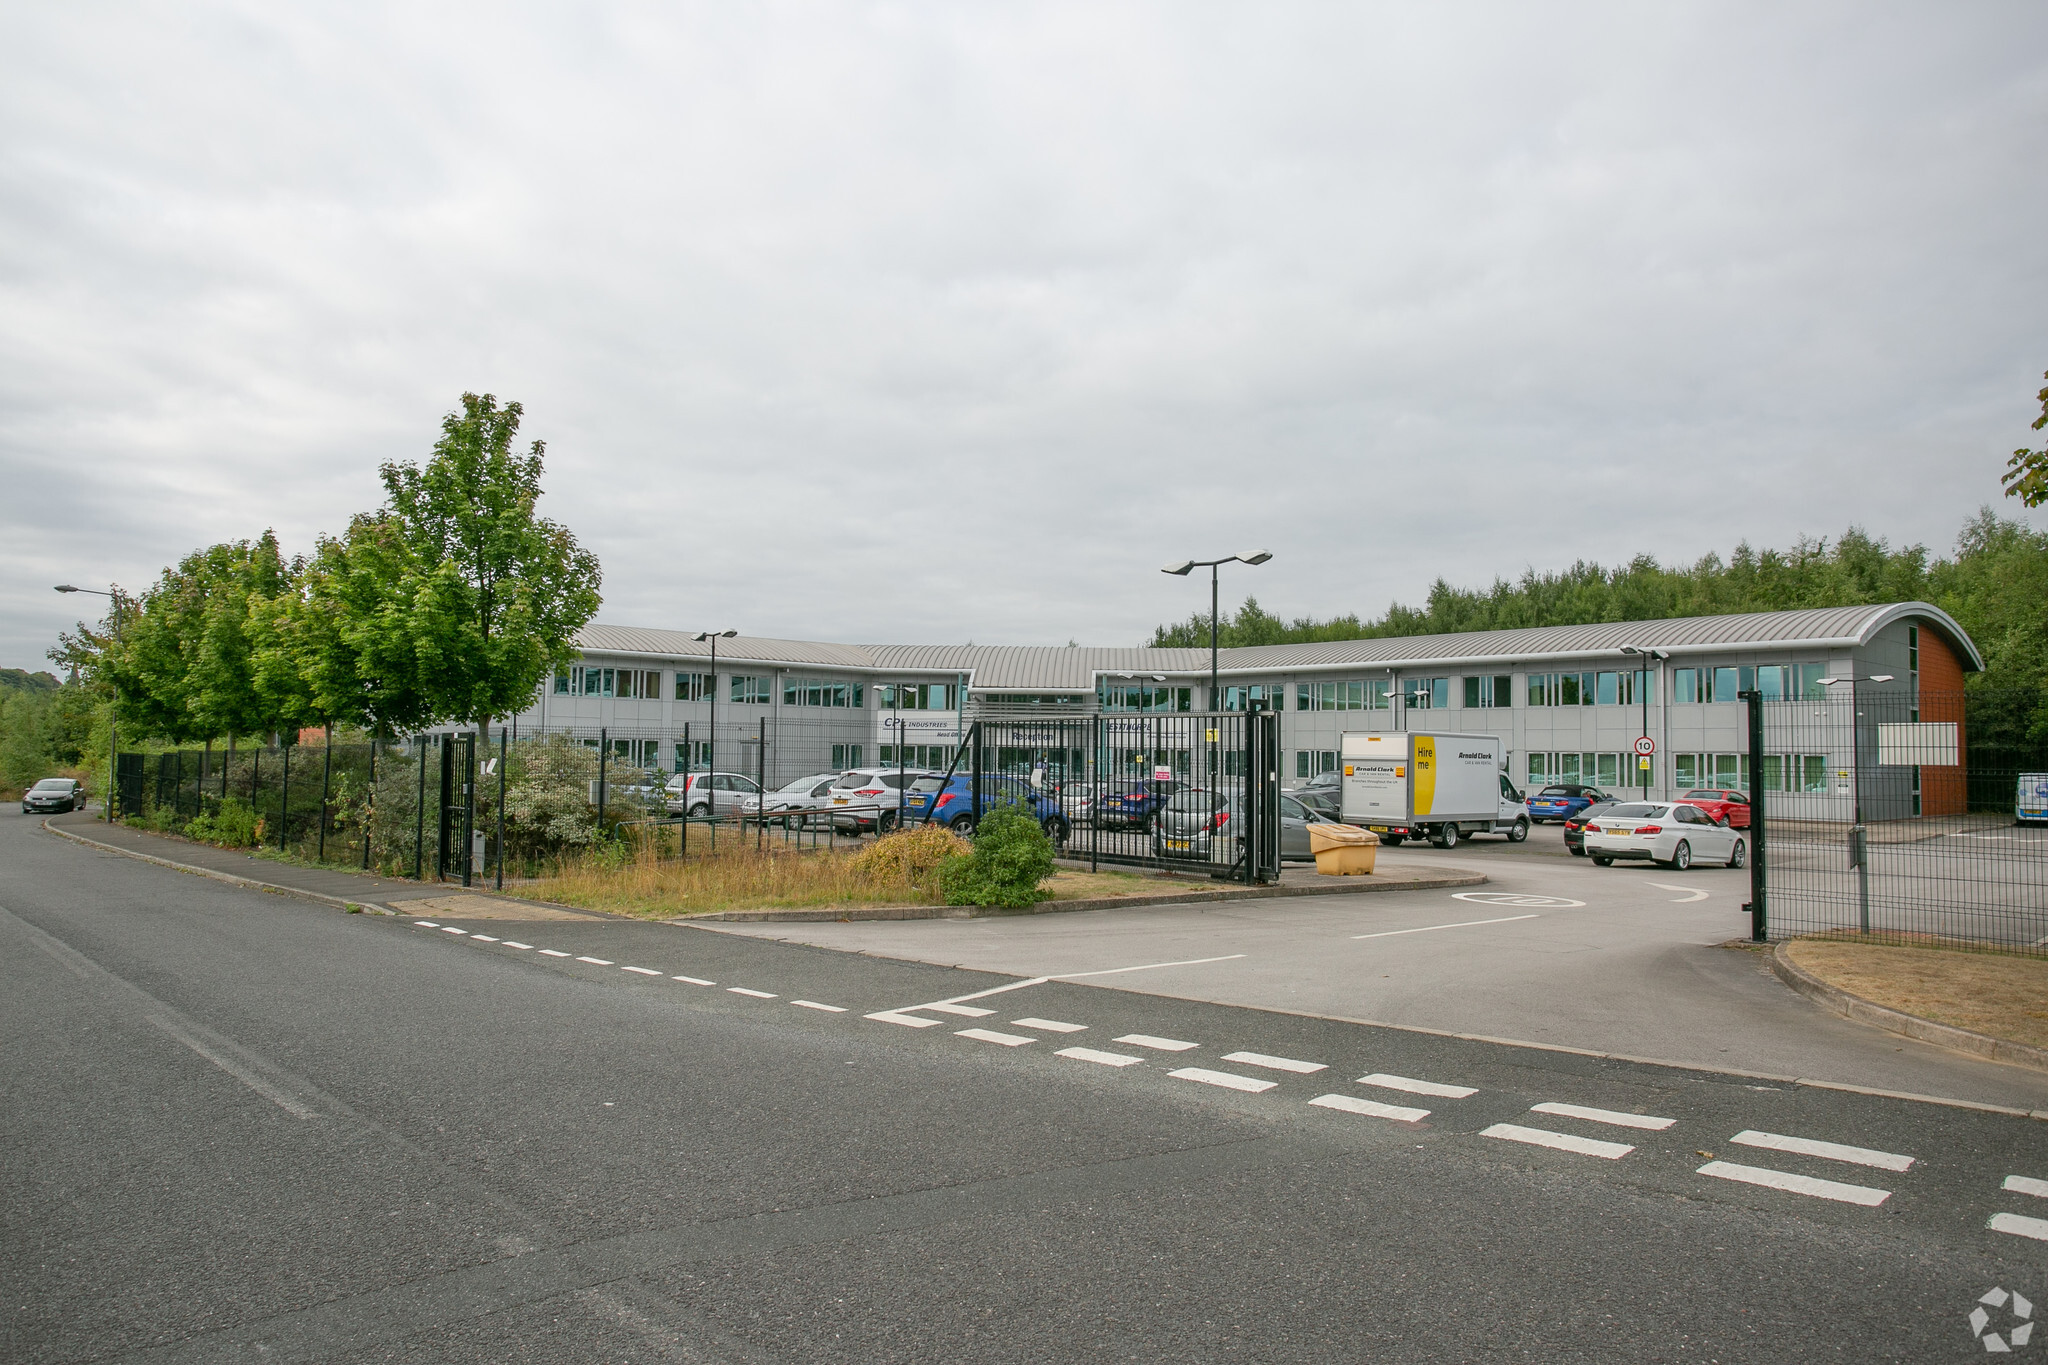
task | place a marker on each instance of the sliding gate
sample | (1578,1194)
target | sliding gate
(1186,792)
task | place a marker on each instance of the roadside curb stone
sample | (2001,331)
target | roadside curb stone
(1838,1001)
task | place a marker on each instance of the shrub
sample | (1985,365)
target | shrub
(234,825)
(916,856)
(1011,856)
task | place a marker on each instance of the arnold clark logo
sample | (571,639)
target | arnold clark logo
(2003,1322)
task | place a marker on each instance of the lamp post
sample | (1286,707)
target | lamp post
(1859,836)
(1182,569)
(711,751)
(113,722)
(1648,655)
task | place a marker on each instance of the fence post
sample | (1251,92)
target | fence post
(1094,788)
(603,746)
(447,805)
(284,799)
(504,758)
(761,781)
(974,738)
(1759,884)
(689,766)
(419,820)
(369,803)
(468,807)
(326,787)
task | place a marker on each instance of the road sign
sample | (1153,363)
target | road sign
(1646,746)
(1162,774)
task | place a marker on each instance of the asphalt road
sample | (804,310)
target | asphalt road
(244,1127)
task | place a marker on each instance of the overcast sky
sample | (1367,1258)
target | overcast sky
(899,323)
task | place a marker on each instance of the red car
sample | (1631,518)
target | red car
(1730,808)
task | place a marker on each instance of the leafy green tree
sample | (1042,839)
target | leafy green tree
(2026,474)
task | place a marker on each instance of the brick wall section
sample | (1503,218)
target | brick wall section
(1942,790)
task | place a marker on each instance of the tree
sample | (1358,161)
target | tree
(487,596)
(2026,473)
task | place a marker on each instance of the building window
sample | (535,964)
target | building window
(683,755)
(1120,696)
(1560,689)
(750,691)
(818,692)
(845,756)
(1594,770)
(915,696)
(1369,695)
(1425,694)
(1234,698)
(592,682)
(934,756)
(562,683)
(1496,691)
(1309,762)
(1716,770)
(693,686)
(643,684)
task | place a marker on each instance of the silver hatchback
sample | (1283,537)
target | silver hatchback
(1206,826)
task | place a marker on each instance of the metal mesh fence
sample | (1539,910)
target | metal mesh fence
(1886,817)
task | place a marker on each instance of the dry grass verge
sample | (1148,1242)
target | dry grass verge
(739,877)
(1990,993)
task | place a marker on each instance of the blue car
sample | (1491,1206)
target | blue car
(950,802)
(1560,801)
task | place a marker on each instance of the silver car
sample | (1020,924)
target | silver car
(1205,826)
(696,795)
(805,794)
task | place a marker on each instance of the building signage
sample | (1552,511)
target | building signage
(922,728)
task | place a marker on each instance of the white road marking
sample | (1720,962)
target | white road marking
(1275,1063)
(1250,1084)
(644,971)
(907,1020)
(1050,1025)
(550,952)
(1693,893)
(1144,967)
(2026,1184)
(814,1005)
(1519,900)
(451,929)
(948,1007)
(1620,1120)
(1429,928)
(483,938)
(1798,1184)
(991,1036)
(596,961)
(1833,1151)
(1371,1108)
(2019,1225)
(758,995)
(277,1095)
(1415,1087)
(522,946)
(1563,1142)
(694,980)
(426,924)
(1162,1044)
(1089,1054)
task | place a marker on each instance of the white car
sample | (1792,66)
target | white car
(868,798)
(695,796)
(804,794)
(1673,835)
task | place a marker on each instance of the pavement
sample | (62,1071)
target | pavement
(249,1126)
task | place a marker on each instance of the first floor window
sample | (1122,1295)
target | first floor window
(915,696)
(1493,691)
(1143,697)
(693,686)
(846,756)
(750,691)
(696,754)
(1370,694)
(1427,694)
(1310,762)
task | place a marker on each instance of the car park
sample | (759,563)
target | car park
(1575,827)
(1130,805)
(53,794)
(950,801)
(697,795)
(1671,834)
(1323,794)
(872,798)
(805,794)
(1204,825)
(1560,801)
(1727,807)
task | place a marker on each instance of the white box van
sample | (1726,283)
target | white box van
(1439,787)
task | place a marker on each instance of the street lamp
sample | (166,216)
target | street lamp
(1182,569)
(711,752)
(113,736)
(1648,655)
(1859,836)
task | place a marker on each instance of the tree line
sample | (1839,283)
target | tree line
(449,603)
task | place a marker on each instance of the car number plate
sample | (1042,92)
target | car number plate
(1176,843)
(838,800)
(1377,829)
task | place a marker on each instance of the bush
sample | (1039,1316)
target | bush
(234,825)
(916,856)
(1011,856)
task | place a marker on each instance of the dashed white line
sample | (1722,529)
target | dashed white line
(907,1020)
(1141,967)
(1415,1087)
(1798,1184)
(644,971)
(1159,1044)
(948,1007)
(1619,1120)
(1089,1054)
(1249,1084)
(1370,1108)
(2026,1184)
(1563,1142)
(524,947)
(991,1036)
(1050,1025)
(758,995)
(426,924)
(483,938)
(1431,928)
(550,952)
(1276,1063)
(596,961)
(1833,1151)
(814,1005)
(694,980)
(451,929)
(2019,1225)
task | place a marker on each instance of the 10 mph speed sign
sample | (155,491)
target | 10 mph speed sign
(1646,746)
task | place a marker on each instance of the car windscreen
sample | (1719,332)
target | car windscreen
(1556,791)
(1703,796)
(1601,808)
(54,784)
(1631,810)
(1187,803)
(927,784)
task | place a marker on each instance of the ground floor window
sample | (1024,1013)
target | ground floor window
(1309,762)
(845,756)
(937,756)
(686,759)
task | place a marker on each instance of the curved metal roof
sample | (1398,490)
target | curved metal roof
(1034,668)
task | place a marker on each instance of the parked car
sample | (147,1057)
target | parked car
(950,802)
(1202,825)
(1130,805)
(1575,827)
(1560,801)
(1727,807)
(871,798)
(1323,794)
(805,794)
(1674,835)
(696,795)
(53,794)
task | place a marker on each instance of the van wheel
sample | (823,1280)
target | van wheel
(1519,832)
(1447,837)
(1681,857)
(1739,855)
(1599,861)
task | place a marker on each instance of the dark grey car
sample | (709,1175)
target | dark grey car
(53,794)
(1202,826)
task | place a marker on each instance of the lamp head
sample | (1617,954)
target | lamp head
(1880,677)
(1182,569)
(1257,556)
(65,587)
